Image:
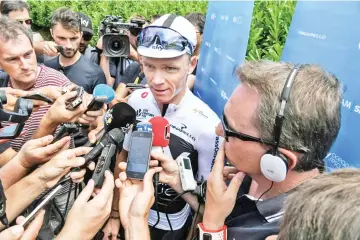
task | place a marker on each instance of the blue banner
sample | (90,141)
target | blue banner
(223,48)
(327,33)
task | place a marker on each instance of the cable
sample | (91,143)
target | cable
(68,199)
(62,223)
(172,201)
(272,183)
(156,180)
(196,215)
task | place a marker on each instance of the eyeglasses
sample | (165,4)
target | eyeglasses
(27,21)
(244,137)
(87,37)
(164,38)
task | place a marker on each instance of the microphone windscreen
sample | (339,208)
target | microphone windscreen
(104,90)
(161,131)
(122,116)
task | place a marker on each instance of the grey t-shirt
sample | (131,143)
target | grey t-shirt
(91,54)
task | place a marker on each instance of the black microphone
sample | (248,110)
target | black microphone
(121,116)
(114,136)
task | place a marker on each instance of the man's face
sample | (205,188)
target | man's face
(21,16)
(167,77)
(84,42)
(239,111)
(18,59)
(69,39)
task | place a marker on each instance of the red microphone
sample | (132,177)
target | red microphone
(161,131)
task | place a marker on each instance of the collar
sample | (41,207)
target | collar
(172,108)
(270,209)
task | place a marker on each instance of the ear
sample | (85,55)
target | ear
(192,63)
(292,157)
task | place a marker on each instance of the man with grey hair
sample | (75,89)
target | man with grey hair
(278,125)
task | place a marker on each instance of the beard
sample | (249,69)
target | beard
(69,53)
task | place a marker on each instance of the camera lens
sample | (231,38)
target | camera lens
(117,45)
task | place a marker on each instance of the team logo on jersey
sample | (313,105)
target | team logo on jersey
(143,113)
(144,94)
(182,130)
(196,110)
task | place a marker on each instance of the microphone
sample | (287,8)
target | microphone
(121,116)
(161,131)
(103,94)
(115,136)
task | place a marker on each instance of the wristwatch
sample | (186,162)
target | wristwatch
(205,234)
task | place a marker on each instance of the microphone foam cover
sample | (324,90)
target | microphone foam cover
(104,90)
(121,115)
(161,131)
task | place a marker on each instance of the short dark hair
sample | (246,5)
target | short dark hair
(197,19)
(10,30)
(7,6)
(69,19)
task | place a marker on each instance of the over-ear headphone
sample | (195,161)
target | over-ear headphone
(273,164)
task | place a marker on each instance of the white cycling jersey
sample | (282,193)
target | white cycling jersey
(192,130)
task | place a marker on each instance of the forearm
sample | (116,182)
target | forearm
(39,48)
(47,127)
(121,91)
(138,228)
(12,172)
(190,198)
(104,65)
(6,156)
(121,157)
(20,195)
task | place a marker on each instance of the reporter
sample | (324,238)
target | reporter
(17,232)
(86,217)
(136,199)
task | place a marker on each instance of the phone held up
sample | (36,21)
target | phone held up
(139,155)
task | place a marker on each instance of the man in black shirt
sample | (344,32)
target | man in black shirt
(66,32)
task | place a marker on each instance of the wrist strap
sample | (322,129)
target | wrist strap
(220,234)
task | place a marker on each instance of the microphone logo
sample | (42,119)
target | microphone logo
(108,117)
(127,127)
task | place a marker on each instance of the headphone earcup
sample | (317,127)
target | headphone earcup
(274,167)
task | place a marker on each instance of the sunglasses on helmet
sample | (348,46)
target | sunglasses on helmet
(164,38)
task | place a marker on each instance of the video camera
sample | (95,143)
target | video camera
(115,40)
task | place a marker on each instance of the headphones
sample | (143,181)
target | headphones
(273,164)
(22,111)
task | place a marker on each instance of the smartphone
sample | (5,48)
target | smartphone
(9,132)
(135,86)
(97,103)
(59,48)
(139,154)
(46,200)
(40,97)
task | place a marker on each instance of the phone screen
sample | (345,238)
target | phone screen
(139,154)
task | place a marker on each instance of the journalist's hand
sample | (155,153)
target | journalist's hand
(17,232)
(111,229)
(50,173)
(87,217)
(90,117)
(13,94)
(38,151)
(58,113)
(52,92)
(220,198)
(136,197)
(50,49)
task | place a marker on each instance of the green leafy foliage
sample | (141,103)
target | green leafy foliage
(269,27)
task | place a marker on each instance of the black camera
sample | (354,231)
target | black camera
(115,40)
